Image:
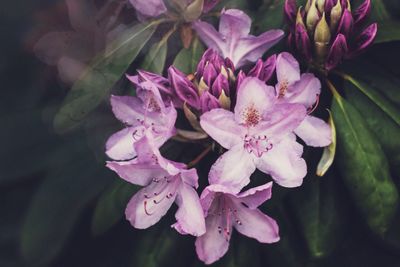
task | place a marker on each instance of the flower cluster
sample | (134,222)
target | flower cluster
(254,123)
(325,32)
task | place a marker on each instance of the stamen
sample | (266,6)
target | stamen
(283,86)
(251,116)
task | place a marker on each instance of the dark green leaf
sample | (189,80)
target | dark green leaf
(56,207)
(155,59)
(387,132)
(373,94)
(187,59)
(111,206)
(270,16)
(388,31)
(329,153)
(318,213)
(364,167)
(105,70)
(379,11)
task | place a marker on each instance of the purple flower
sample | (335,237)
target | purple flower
(326,32)
(189,9)
(305,90)
(145,113)
(233,40)
(224,210)
(164,182)
(259,134)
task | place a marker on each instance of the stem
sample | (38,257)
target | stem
(199,157)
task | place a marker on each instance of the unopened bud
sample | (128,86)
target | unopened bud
(299,17)
(322,38)
(321,5)
(202,86)
(312,17)
(322,31)
(348,5)
(224,101)
(336,14)
(308,4)
(193,11)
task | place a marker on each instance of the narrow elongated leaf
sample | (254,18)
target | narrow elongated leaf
(318,211)
(111,206)
(155,59)
(364,167)
(56,207)
(387,132)
(187,59)
(373,94)
(105,70)
(329,152)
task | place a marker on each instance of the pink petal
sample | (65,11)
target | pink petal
(251,48)
(70,69)
(190,216)
(82,15)
(120,146)
(234,23)
(253,94)
(314,132)
(143,212)
(284,163)
(128,109)
(255,224)
(256,196)
(221,126)
(305,92)
(233,169)
(151,8)
(287,69)
(210,36)
(135,172)
(189,177)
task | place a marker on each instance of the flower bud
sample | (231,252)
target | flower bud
(321,5)
(337,52)
(299,17)
(183,88)
(290,10)
(224,101)
(220,84)
(364,40)
(346,24)
(312,17)
(322,38)
(193,10)
(264,70)
(362,12)
(208,102)
(336,14)
(303,44)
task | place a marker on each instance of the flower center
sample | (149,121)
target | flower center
(251,116)
(283,86)
(258,145)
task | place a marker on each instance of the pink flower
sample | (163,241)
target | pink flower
(233,40)
(305,90)
(258,134)
(224,210)
(165,182)
(145,113)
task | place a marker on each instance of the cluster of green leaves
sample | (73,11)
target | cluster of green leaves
(348,217)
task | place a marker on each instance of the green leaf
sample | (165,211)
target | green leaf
(56,207)
(387,132)
(329,153)
(373,94)
(388,31)
(105,70)
(187,59)
(317,210)
(270,16)
(379,11)
(364,167)
(155,59)
(111,206)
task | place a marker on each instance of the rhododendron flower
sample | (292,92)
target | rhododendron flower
(305,90)
(190,9)
(165,182)
(70,51)
(257,135)
(326,32)
(224,209)
(233,40)
(147,112)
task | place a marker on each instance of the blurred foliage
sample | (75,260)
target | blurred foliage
(61,207)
